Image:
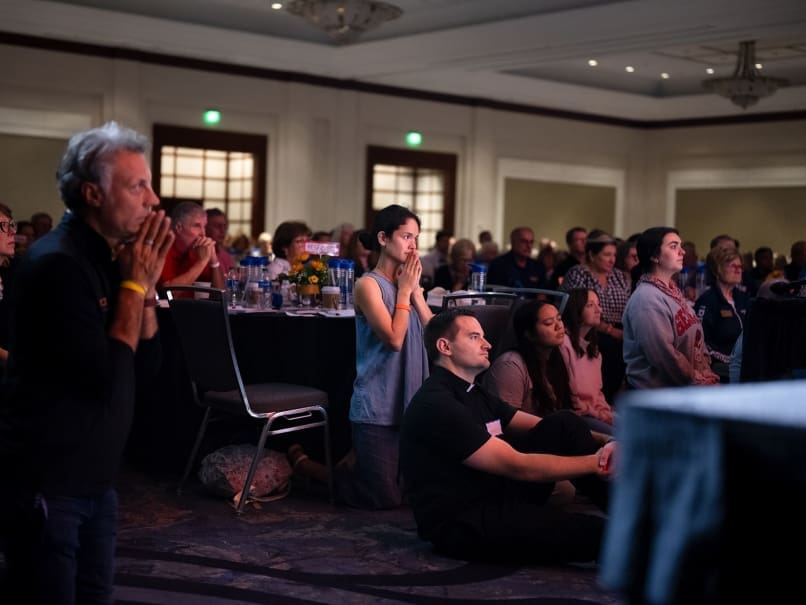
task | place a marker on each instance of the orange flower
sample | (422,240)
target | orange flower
(312,279)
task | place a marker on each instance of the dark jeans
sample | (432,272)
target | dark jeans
(516,524)
(65,556)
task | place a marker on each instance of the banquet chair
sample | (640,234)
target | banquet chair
(555,297)
(202,324)
(493,310)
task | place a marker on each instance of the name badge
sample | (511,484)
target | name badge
(726,313)
(326,248)
(494,428)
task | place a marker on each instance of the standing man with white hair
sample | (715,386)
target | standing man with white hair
(85,336)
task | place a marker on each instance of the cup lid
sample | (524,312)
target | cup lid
(330,290)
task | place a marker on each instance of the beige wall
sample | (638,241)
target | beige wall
(318,137)
(773,217)
(28,175)
(550,209)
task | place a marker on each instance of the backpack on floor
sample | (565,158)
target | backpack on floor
(224,471)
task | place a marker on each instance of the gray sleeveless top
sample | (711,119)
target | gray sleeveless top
(386,380)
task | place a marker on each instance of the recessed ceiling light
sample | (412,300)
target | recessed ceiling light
(759,66)
(664,75)
(629,69)
(709,71)
(593,62)
(276,5)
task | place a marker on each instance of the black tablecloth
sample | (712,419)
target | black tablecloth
(271,347)
(708,505)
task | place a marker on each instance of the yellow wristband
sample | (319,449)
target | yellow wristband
(128,284)
(403,307)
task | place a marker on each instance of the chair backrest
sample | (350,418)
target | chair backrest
(456,299)
(556,297)
(202,325)
(495,315)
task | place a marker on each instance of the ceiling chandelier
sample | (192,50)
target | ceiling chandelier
(746,86)
(344,20)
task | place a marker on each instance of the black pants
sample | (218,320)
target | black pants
(516,524)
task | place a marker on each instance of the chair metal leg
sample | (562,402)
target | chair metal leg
(253,467)
(194,451)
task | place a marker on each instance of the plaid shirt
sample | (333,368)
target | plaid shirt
(612,298)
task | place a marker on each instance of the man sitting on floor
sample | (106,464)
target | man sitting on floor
(474,494)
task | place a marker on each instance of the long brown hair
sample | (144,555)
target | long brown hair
(572,318)
(550,384)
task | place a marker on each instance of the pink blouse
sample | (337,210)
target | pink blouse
(585,378)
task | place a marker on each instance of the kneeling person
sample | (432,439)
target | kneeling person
(475,495)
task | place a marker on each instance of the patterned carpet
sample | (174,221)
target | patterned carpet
(194,549)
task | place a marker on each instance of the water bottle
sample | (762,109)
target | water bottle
(701,285)
(243,277)
(233,287)
(264,285)
(349,282)
(478,277)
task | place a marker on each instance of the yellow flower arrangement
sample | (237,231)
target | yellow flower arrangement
(306,270)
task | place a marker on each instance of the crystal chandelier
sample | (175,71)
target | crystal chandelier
(746,86)
(344,20)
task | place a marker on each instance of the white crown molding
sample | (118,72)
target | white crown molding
(460,61)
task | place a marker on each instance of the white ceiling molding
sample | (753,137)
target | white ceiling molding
(473,60)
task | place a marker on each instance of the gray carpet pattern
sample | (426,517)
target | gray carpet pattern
(194,549)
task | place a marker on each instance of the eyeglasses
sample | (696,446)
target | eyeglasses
(736,266)
(8,226)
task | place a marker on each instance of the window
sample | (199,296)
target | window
(424,182)
(216,169)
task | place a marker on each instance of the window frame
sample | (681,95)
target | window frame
(432,160)
(201,138)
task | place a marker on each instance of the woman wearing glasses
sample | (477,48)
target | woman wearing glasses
(287,244)
(8,231)
(722,308)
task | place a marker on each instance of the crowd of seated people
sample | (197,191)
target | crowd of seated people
(595,261)
(551,399)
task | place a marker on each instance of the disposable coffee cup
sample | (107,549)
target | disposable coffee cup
(202,284)
(331,295)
